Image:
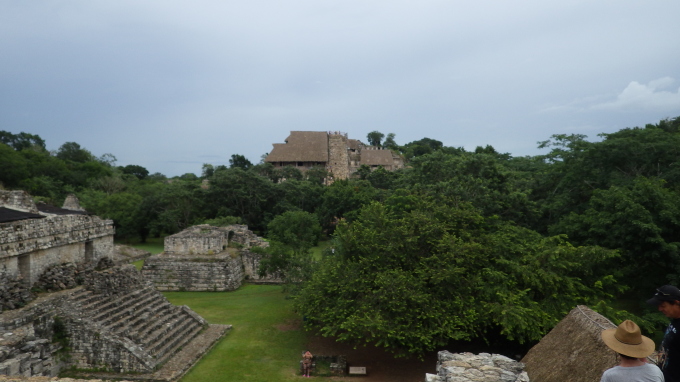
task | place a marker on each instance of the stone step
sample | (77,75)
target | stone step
(148,322)
(99,303)
(160,326)
(80,294)
(177,340)
(112,305)
(159,337)
(140,317)
(163,311)
(130,310)
(181,339)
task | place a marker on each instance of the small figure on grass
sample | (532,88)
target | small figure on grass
(306,363)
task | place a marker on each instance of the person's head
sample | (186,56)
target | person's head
(667,300)
(627,340)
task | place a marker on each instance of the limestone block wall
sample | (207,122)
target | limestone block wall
(180,273)
(90,349)
(338,159)
(28,247)
(240,234)
(115,281)
(26,346)
(482,367)
(251,266)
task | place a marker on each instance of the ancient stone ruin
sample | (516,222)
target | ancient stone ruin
(32,240)
(482,367)
(207,258)
(65,306)
(573,351)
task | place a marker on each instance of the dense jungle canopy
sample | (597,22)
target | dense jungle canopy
(457,245)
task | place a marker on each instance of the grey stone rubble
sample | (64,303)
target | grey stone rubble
(207,258)
(97,316)
(116,322)
(482,367)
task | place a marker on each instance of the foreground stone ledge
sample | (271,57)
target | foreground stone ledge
(482,367)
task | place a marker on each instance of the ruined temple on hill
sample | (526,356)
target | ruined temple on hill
(332,151)
(89,315)
(207,258)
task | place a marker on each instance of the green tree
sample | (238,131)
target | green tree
(14,167)
(414,280)
(298,230)
(239,161)
(292,234)
(22,141)
(244,194)
(71,151)
(136,170)
(374,138)
(390,143)
(642,221)
(293,195)
(343,199)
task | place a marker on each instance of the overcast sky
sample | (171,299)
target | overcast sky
(170,85)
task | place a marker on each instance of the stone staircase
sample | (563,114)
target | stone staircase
(137,331)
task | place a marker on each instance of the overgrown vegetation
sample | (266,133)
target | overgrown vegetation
(485,241)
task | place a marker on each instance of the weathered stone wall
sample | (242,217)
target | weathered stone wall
(338,159)
(482,367)
(26,346)
(113,281)
(28,247)
(251,266)
(90,349)
(220,272)
(18,200)
(207,258)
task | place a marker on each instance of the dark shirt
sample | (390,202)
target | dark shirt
(669,356)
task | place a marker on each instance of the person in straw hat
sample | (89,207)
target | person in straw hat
(633,349)
(667,301)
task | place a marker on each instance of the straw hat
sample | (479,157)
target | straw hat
(627,340)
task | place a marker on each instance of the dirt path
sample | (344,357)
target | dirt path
(381,366)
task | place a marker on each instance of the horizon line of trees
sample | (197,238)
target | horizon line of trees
(458,245)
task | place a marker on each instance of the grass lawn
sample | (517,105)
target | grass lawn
(152,244)
(318,250)
(264,344)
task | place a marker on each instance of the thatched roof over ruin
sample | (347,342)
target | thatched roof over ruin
(301,146)
(376,157)
(573,351)
(10,215)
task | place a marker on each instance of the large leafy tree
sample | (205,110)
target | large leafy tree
(238,160)
(240,193)
(22,141)
(374,138)
(413,278)
(642,220)
(292,235)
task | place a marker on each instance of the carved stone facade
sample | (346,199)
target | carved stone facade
(31,241)
(206,258)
